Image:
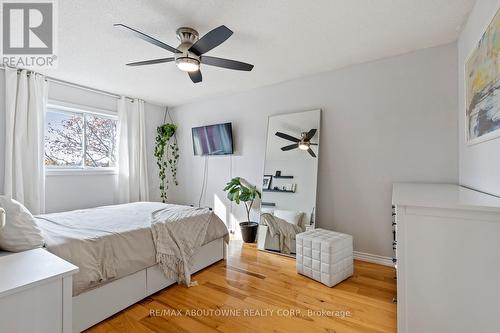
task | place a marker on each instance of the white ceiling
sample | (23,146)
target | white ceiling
(284,39)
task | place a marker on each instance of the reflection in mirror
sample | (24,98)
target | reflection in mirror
(290,180)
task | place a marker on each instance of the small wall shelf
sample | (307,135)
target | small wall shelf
(268,204)
(283,177)
(273,190)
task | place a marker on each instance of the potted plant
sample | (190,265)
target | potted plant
(238,190)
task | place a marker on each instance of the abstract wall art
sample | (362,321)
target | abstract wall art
(482,75)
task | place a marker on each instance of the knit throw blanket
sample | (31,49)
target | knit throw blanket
(284,230)
(178,234)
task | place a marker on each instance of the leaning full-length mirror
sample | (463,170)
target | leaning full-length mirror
(289,180)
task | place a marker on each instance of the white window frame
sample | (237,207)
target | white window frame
(66,107)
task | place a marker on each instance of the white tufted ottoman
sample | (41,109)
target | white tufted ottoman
(324,255)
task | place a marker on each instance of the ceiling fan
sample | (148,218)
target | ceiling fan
(304,143)
(190,53)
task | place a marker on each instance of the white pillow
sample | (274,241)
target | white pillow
(267,210)
(291,216)
(20,232)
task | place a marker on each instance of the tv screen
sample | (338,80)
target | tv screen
(213,139)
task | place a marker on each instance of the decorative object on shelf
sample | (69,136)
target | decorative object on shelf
(482,75)
(167,156)
(278,173)
(238,190)
(266,183)
(277,189)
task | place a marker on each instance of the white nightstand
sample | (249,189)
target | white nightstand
(35,292)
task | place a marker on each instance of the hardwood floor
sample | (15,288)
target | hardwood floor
(261,292)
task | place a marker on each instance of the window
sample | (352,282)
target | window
(79,139)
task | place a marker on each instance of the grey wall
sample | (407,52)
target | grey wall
(76,190)
(385,121)
(480,163)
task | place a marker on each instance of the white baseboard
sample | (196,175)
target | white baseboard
(373,258)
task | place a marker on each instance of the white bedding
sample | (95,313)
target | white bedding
(108,242)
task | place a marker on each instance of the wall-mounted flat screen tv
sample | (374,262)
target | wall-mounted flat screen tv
(213,139)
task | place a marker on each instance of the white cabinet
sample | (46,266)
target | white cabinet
(448,259)
(35,292)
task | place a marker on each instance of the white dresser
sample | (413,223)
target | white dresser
(448,259)
(35,292)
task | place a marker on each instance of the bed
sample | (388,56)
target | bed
(113,247)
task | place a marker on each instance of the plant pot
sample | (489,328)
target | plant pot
(249,231)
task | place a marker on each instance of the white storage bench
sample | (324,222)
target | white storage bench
(324,255)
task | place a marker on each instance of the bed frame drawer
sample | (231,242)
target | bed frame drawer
(98,304)
(95,305)
(209,253)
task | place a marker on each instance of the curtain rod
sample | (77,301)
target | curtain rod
(76,85)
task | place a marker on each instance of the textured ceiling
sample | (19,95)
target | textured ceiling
(284,39)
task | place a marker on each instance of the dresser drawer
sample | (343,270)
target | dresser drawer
(36,310)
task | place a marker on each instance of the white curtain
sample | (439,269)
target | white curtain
(25,103)
(132,155)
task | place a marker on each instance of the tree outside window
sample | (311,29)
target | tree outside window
(79,140)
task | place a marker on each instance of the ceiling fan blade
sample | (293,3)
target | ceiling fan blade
(287,137)
(212,39)
(149,39)
(310,134)
(290,147)
(226,63)
(151,62)
(310,151)
(195,76)
(313,144)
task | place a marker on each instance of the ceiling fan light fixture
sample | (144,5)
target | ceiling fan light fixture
(303,146)
(186,64)
(190,53)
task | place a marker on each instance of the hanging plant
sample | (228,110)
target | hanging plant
(167,156)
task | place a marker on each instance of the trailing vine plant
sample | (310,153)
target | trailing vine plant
(167,156)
